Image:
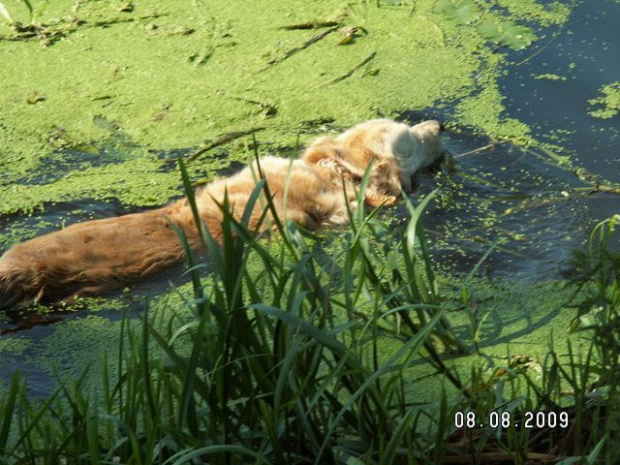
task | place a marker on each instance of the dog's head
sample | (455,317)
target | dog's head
(394,151)
(416,148)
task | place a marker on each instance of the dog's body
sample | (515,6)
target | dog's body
(315,191)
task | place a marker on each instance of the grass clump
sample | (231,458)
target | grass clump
(274,365)
(286,355)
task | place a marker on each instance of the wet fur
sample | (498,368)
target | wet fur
(97,256)
(397,152)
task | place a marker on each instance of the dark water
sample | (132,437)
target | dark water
(534,211)
(587,53)
(514,200)
(510,200)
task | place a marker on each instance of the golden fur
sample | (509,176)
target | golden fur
(397,151)
(97,256)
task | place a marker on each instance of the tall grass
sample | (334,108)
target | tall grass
(283,358)
(597,299)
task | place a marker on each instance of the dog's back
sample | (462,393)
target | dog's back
(98,256)
(89,258)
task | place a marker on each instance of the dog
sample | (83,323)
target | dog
(317,190)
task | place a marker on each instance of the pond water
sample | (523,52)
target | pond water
(584,56)
(511,200)
(517,201)
(536,210)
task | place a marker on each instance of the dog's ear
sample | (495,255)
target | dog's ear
(384,177)
(320,149)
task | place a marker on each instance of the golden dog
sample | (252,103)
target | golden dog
(315,191)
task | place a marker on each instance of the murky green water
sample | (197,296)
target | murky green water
(503,195)
(534,210)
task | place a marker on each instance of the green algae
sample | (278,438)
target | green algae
(134,182)
(543,13)
(608,104)
(77,345)
(117,85)
(14,346)
(81,342)
(487,110)
(492,25)
(169,76)
(550,77)
(509,326)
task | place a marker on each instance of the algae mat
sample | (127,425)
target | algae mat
(114,79)
(98,97)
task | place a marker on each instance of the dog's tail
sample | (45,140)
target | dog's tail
(92,258)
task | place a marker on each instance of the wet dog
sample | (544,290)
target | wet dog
(318,190)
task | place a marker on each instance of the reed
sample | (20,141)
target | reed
(282,358)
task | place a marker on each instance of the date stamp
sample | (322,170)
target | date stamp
(504,420)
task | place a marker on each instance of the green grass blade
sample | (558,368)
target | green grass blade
(9,408)
(220,449)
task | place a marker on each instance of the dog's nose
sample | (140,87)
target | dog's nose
(442,127)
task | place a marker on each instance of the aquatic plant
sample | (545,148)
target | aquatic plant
(291,354)
(503,32)
(608,104)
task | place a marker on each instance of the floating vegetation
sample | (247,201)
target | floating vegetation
(50,33)
(550,77)
(507,34)
(310,25)
(361,64)
(312,40)
(608,104)
(495,29)
(459,11)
